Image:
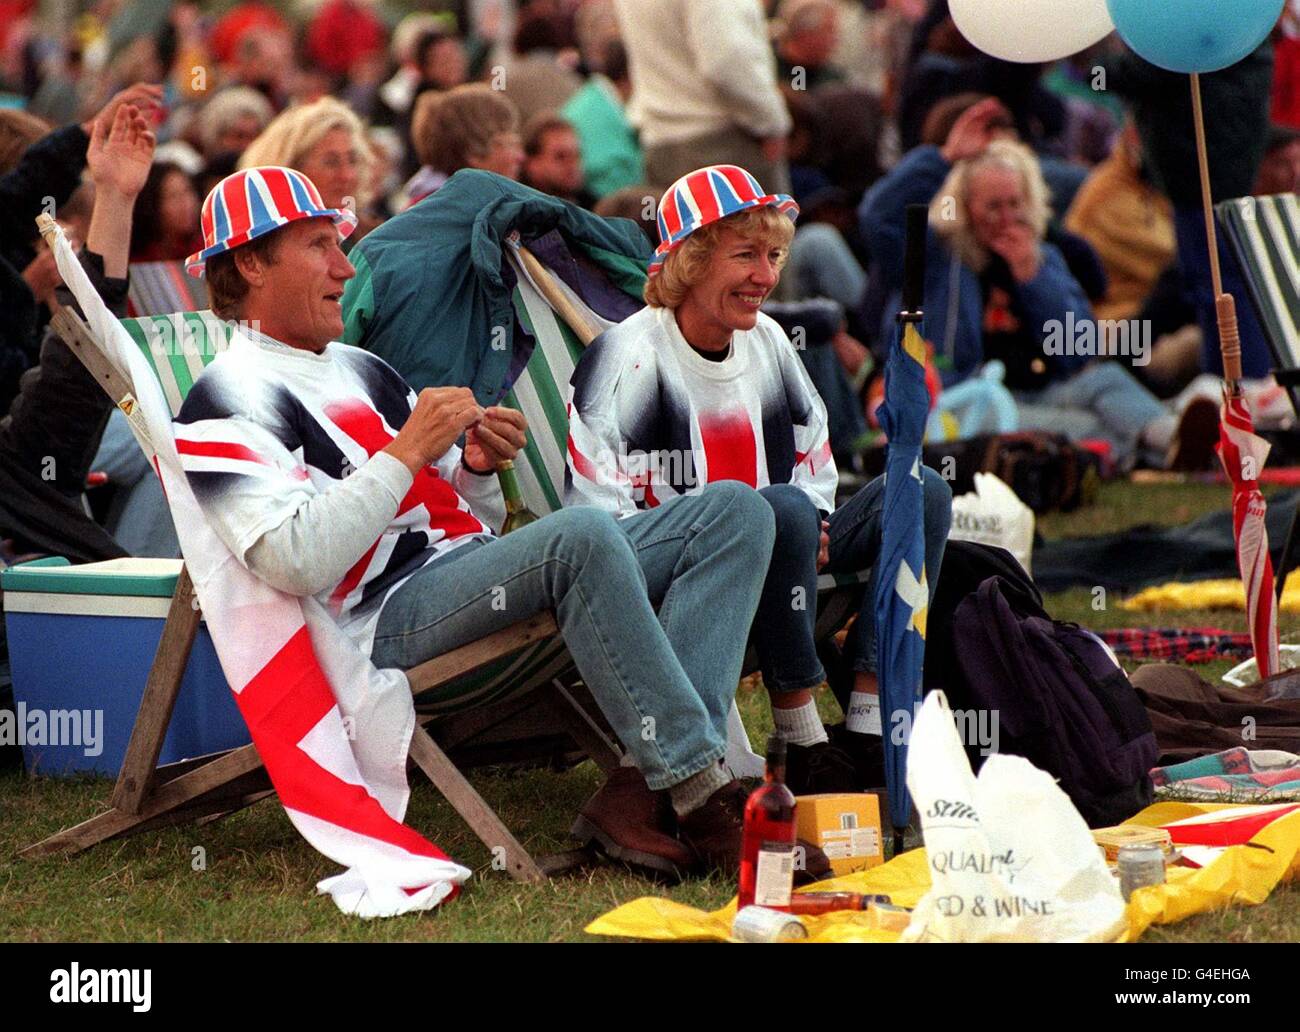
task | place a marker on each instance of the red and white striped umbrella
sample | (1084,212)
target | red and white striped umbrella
(1243,453)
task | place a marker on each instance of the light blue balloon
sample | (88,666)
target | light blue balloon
(1194,35)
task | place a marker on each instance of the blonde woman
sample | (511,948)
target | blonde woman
(324,141)
(995,289)
(699,387)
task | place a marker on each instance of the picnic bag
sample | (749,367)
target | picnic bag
(1010,859)
(1059,699)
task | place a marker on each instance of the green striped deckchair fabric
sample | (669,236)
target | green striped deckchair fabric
(179,347)
(1265,236)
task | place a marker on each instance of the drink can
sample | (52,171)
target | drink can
(762,924)
(1140,866)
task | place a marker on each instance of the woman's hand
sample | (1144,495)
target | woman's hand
(1019,248)
(975,129)
(121,152)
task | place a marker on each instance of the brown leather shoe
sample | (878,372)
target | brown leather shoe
(713,829)
(634,825)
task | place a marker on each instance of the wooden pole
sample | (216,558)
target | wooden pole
(557,299)
(1225,307)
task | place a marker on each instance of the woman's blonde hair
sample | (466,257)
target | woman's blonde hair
(448,129)
(293,133)
(949,211)
(686,266)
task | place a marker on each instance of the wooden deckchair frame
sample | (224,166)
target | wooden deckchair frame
(148,796)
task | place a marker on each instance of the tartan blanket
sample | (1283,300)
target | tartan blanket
(1234,775)
(1178,644)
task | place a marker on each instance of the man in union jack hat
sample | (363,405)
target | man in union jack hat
(700,387)
(326,475)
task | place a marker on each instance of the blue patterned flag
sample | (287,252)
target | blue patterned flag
(901,592)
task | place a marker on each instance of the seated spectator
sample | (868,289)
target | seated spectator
(54,424)
(553,159)
(232,120)
(535,79)
(611,153)
(324,141)
(1279,171)
(807,38)
(362,498)
(700,387)
(165,228)
(637,203)
(48,171)
(995,289)
(1130,225)
(472,126)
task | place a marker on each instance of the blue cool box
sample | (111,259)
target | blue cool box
(83,638)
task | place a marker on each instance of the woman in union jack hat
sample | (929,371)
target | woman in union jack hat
(702,386)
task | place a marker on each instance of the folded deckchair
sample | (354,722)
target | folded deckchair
(469,698)
(1264,233)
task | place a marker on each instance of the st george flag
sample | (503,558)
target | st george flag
(1243,454)
(901,593)
(332,730)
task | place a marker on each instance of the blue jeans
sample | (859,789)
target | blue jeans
(784,624)
(664,682)
(1102,400)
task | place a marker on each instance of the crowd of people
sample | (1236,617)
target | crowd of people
(1058,196)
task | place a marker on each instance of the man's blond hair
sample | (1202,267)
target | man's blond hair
(686,266)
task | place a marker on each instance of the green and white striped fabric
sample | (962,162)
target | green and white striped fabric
(179,347)
(1265,235)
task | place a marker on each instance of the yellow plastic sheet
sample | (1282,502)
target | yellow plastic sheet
(1243,875)
(1206,594)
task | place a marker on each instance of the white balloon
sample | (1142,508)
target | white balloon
(1032,31)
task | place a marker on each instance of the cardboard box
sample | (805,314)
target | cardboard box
(845,826)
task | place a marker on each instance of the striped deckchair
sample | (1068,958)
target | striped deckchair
(509,697)
(1264,233)
(157,288)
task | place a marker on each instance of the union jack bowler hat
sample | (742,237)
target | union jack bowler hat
(256,201)
(707,195)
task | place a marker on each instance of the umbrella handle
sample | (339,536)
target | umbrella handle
(1229,341)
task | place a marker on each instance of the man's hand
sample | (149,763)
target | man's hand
(975,129)
(143,95)
(441,415)
(497,438)
(824,547)
(1019,247)
(120,153)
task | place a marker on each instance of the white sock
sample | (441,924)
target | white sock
(864,713)
(801,725)
(695,791)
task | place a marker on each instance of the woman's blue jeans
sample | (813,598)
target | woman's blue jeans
(787,610)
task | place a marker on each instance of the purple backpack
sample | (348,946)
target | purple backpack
(1060,701)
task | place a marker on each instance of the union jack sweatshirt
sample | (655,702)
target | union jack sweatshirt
(651,419)
(283,450)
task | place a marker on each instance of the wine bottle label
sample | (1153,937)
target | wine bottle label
(774,877)
(864,713)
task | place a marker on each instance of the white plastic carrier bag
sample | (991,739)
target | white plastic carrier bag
(1010,858)
(993,514)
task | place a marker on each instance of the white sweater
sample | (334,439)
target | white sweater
(699,66)
(651,419)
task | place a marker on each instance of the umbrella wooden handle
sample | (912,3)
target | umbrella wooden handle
(1229,339)
(555,297)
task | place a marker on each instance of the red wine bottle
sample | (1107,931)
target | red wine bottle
(767,845)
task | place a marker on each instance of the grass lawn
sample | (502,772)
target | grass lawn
(251,877)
